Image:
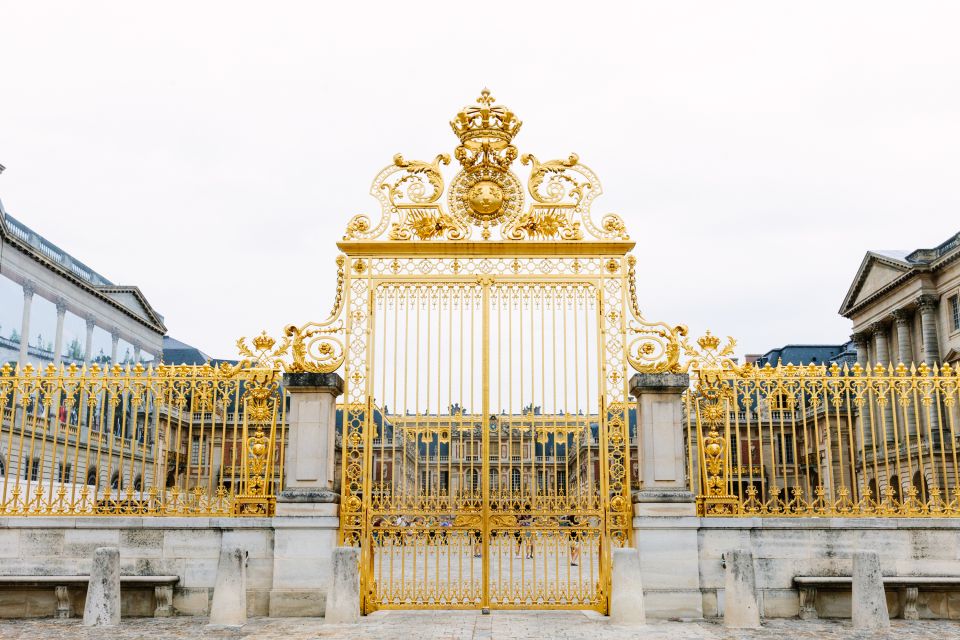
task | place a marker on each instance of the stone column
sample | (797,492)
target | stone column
(665,523)
(903,320)
(58,341)
(136,351)
(928,325)
(882,351)
(861,341)
(931,346)
(88,346)
(114,345)
(306,520)
(25,322)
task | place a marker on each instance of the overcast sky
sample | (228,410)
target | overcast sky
(211,153)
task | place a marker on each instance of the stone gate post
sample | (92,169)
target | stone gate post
(665,522)
(306,521)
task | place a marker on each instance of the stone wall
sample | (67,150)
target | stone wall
(787,547)
(186,547)
(681,559)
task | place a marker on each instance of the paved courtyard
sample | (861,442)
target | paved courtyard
(467,625)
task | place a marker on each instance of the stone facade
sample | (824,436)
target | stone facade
(905,306)
(41,269)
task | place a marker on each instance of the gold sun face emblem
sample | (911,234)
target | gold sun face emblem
(485,198)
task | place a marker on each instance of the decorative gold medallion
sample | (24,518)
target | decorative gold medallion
(485,196)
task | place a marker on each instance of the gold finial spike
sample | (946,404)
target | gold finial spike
(485,98)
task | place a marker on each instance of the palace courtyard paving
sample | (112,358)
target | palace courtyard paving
(466,625)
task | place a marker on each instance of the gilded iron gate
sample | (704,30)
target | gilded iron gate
(486,453)
(485,434)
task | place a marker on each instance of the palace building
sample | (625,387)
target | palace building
(95,319)
(905,305)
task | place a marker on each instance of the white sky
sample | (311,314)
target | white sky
(211,153)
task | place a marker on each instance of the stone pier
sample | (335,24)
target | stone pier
(306,522)
(665,523)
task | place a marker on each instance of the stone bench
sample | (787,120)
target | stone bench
(163,589)
(909,586)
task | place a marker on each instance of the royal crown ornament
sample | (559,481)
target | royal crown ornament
(486,193)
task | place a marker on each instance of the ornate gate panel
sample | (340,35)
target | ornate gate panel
(425,524)
(485,432)
(544,529)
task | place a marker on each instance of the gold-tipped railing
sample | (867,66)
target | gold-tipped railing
(165,440)
(822,441)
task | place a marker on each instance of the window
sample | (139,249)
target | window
(64,472)
(515,480)
(92,476)
(955,311)
(734,452)
(780,401)
(785,449)
(561,482)
(32,470)
(196,455)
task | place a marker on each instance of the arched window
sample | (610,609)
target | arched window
(874,492)
(91,475)
(471,480)
(3,466)
(137,483)
(115,480)
(920,484)
(895,485)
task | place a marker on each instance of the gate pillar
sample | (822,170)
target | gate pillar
(665,523)
(306,522)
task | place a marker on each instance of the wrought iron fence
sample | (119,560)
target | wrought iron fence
(823,441)
(166,440)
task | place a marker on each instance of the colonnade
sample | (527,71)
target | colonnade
(28,292)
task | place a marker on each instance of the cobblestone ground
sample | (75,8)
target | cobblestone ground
(449,625)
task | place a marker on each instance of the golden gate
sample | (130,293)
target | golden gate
(486,426)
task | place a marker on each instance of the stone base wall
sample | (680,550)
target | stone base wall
(288,569)
(787,547)
(186,547)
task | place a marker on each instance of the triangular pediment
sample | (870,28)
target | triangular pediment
(134,301)
(876,272)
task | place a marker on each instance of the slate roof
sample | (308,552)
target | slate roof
(808,354)
(176,352)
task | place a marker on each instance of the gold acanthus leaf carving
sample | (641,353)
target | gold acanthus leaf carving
(560,188)
(317,348)
(412,185)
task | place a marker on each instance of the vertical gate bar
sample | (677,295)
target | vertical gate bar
(366,545)
(485,447)
(604,550)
